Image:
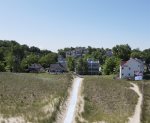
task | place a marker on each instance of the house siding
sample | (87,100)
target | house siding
(93,67)
(131,68)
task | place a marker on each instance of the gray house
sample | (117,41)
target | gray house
(35,68)
(93,67)
(77,52)
(57,68)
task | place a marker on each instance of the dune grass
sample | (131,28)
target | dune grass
(36,97)
(146,102)
(107,99)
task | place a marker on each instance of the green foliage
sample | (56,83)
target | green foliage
(32,58)
(34,49)
(18,54)
(107,100)
(48,59)
(122,51)
(96,54)
(146,56)
(62,53)
(71,63)
(99,55)
(9,62)
(24,64)
(17,58)
(82,66)
(1,55)
(136,53)
(111,66)
(2,67)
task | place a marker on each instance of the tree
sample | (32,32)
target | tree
(28,60)
(45,52)
(136,53)
(1,55)
(71,63)
(34,50)
(18,54)
(62,53)
(146,56)
(82,66)
(31,59)
(16,57)
(98,55)
(48,59)
(24,65)
(111,65)
(2,67)
(122,51)
(9,61)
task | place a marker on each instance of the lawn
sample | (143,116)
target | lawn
(107,99)
(35,97)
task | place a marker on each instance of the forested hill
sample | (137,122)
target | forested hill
(15,57)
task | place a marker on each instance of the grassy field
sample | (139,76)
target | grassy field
(35,97)
(107,99)
(146,103)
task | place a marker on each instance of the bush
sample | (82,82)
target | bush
(2,67)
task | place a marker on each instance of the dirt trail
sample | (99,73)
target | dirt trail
(137,114)
(69,118)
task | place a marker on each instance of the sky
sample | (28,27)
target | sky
(55,24)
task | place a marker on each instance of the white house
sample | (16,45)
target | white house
(133,68)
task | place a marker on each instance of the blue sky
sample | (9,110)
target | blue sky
(55,24)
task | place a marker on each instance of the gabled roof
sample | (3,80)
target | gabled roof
(35,66)
(135,59)
(57,67)
(123,62)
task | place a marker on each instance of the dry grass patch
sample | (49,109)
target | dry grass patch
(107,99)
(146,103)
(27,95)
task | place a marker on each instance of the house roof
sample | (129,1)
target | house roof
(57,67)
(123,62)
(137,60)
(35,66)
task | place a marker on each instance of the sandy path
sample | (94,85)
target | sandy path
(137,114)
(73,101)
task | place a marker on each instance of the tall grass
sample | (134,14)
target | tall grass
(25,95)
(108,100)
(146,102)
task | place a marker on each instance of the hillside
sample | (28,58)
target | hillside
(32,97)
(107,100)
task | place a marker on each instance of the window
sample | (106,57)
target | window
(122,74)
(129,68)
(122,68)
(129,74)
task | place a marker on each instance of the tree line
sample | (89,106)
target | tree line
(109,64)
(15,57)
